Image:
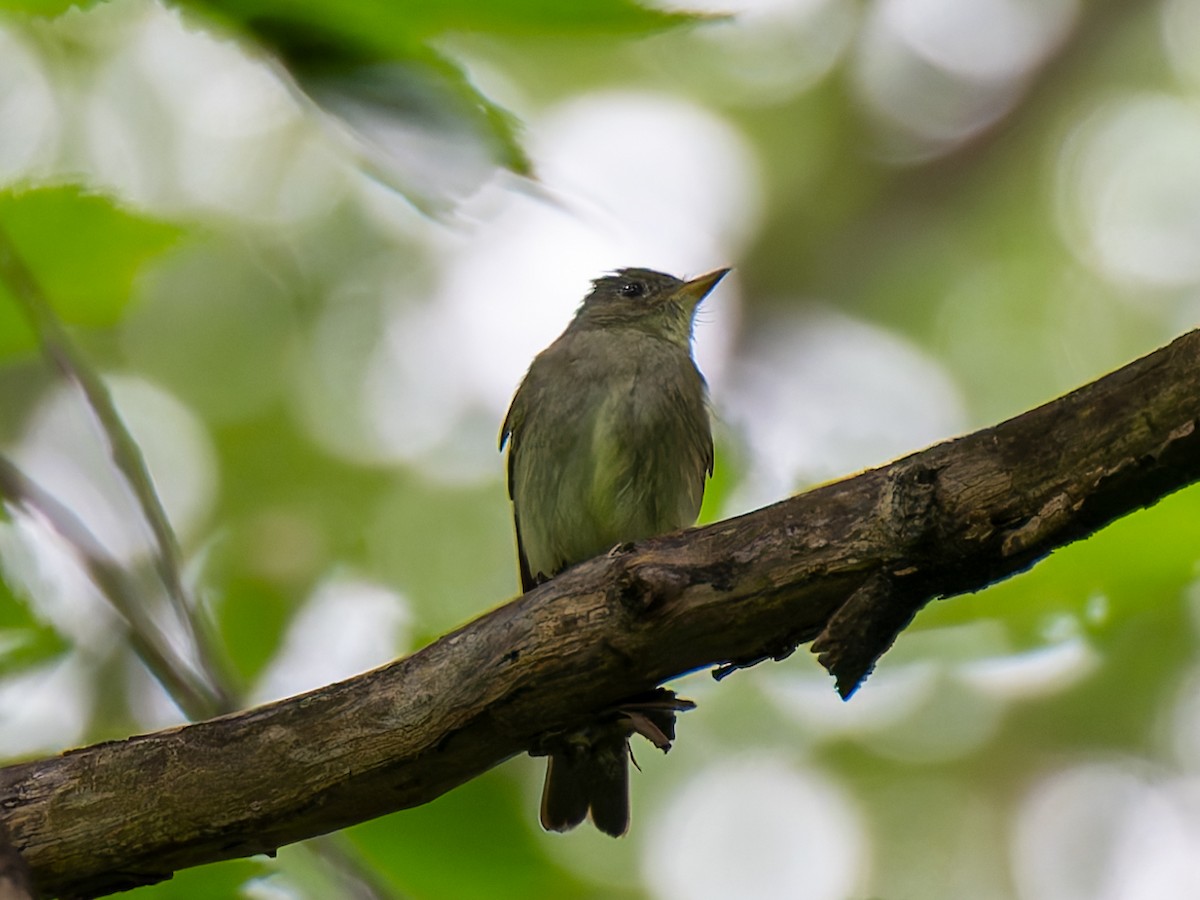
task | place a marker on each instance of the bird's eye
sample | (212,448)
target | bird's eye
(632,289)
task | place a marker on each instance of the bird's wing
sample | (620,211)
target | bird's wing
(528,580)
(508,434)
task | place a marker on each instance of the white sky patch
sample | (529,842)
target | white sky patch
(1129,190)
(64,451)
(46,708)
(756,827)
(26,97)
(43,568)
(1108,831)
(814,703)
(932,73)
(1035,673)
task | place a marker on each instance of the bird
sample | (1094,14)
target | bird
(609,441)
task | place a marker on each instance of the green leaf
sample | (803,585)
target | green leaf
(374,56)
(426,91)
(47,8)
(24,640)
(380,29)
(84,252)
(252,617)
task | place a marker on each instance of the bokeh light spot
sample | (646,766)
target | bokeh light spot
(756,827)
(1129,190)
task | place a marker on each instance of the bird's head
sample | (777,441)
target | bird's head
(647,300)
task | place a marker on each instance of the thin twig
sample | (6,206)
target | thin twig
(199,695)
(195,696)
(122,448)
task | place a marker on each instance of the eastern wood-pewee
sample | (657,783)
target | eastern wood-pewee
(609,441)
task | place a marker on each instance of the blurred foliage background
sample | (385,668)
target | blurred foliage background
(310,248)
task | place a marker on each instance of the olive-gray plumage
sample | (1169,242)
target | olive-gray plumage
(609,441)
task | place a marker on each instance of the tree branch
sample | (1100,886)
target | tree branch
(848,564)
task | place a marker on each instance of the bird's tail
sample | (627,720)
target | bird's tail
(588,770)
(583,780)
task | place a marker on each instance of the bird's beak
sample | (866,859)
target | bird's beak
(692,292)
